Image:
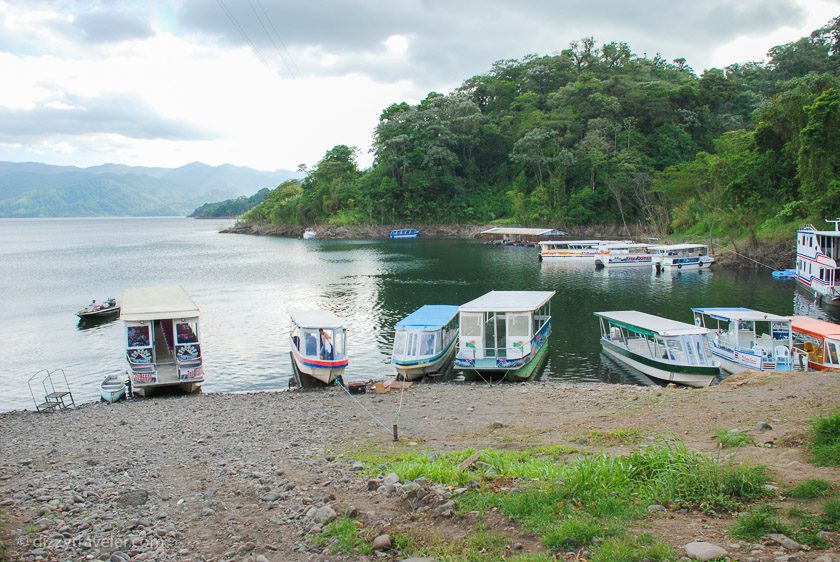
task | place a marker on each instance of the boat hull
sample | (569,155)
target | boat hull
(518,374)
(414,370)
(99,314)
(322,371)
(697,376)
(624,261)
(735,362)
(112,392)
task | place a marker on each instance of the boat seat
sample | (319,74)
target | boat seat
(808,346)
(782,354)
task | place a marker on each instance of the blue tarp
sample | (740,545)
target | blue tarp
(428,317)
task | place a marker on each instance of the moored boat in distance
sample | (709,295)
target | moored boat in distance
(162,339)
(425,341)
(309,234)
(318,342)
(742,338)
(624,255)
(817,252)
(112,388)
(504,334)
(661,348)
(573,250)
(400,233)
(93,311)
(816,344)
(681,256)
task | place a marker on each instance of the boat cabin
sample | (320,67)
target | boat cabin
(624,254)
(681,256)
(816,344)
(162,338)
(743,338)
(817,253)
(572,250)
(518,236)
(503,330)
(424,341)
(318,335)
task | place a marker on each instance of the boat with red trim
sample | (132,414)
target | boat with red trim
(817,254)
(816,344)
(318,345)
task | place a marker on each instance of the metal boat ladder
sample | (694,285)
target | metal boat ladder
(57,394)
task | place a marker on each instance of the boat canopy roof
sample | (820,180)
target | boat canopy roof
(649,324)
(678,247)
(620,245)
(587,242)
(816,328)
(156,303)
(508,301)
(428,317)
(737,313)
(525,231)
(315,318)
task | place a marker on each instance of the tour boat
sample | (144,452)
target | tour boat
(742,338)
(681,256)
(660,348)
(112,389)
(816,344)
(624,255)
(573,250)
(93,311)
(504,334)
(424,341)
(162,339)
(400,233)
(817,253)
(318,346)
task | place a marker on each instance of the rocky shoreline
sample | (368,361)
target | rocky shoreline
(256,477)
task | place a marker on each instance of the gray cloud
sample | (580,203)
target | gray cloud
(121,115)
(452,40)
(112,27)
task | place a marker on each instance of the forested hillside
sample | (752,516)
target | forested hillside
(598,134)
(231,207)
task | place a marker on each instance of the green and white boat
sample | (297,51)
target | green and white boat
(660,348)
(504,335)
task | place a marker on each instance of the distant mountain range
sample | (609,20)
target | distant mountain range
(30,189)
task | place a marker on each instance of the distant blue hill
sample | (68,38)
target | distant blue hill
(31,189)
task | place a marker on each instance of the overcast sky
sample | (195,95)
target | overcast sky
(272,84)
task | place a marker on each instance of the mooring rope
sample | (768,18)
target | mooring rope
(368,412)
(746,257)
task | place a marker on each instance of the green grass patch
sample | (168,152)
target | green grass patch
(611,437)
(831,514)
(824,440)
(633,549)
(756,523)
(343,535)
(733,438)
(811,489)
(479,546)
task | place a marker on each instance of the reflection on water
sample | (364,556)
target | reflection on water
(244,286)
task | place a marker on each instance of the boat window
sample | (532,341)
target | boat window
(399,343)
(340,341)
(427,343)
(138,336)
(186,332)
(471,324)
(518,325)
(832,353)
(310,343)
(674,349)
(411,344)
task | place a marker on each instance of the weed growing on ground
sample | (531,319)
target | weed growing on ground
(810,489)
(612,437)
(831,514)
(343,535)
(756,523)
(633,549)
(733,438)
(824,440)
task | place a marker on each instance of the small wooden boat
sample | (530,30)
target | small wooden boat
(162,339)
(424,341)
(93,311)
(504,334)
(318,346)
(112,389)
(402,233)
(816,344)
(742,338)
(660,348)
(309,234)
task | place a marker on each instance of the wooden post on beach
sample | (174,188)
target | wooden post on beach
(396,433)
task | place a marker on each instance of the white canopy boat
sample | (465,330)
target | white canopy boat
(573,250)
(624,255)
(660,348)
(162,339)
(681,257)
(742,338)
(318,346)
(425,341)
(504,334)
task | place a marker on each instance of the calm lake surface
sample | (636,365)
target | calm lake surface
(245,284)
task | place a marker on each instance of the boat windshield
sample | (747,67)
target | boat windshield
(416,344)
(320,343)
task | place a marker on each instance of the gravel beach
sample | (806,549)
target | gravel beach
(252,476)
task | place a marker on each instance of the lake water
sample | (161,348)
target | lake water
(245,284)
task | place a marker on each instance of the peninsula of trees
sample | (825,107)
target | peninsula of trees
(597,134)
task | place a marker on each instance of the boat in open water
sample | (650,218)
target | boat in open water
(624,255)
(681,257)
(162,339)
(816,344)
(663,349)
(742,338)
(102,311)
(318,342)
(569,251)
(425,341)
(504,334)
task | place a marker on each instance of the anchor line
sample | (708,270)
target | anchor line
(368,412)
(746,257)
